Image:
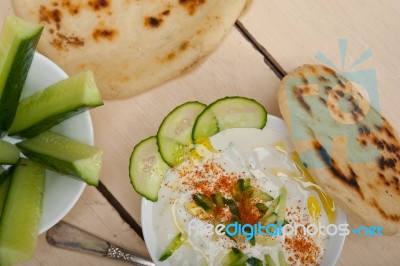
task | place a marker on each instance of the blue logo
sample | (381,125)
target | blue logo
(368,231)
(348,114)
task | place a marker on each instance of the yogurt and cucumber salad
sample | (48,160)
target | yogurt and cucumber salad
(225,190)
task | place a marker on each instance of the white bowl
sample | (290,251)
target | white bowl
(334,244)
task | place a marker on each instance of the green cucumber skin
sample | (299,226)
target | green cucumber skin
(145,184)
(15,82)
(54,104)
(53,164)
(9,153)
(174,149)
(64,155)
(59,166)
(209,121)
(19,228)
(5,179)
(51,121)
(174,245)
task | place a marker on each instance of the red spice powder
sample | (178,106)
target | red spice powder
(303,248)
(248,212)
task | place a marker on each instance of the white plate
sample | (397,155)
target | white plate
(334,245)
(61,192)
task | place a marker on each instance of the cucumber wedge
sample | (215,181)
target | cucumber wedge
(235,257)
(9,154)
(174,137)
(20,221)
(282,258)
(269,260)
(147,168)
(174,245)
(64,155)
(54,104)
(229,112)
(5,179)
(18,42)
(253,261)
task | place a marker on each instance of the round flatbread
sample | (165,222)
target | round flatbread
(130,45)
(351,151)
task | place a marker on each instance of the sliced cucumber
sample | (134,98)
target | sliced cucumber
(20,221)
(282,258)
(64,155)
(253,261)
(235,257)
(271,219)
(174,137)
(262,207)
(229,112)
(269,260)
(147,168)
(17,46)
(9,154)
(203,201)
(261,195)
(174,245)
(233,208)
(54,104)
(206,125)
(218,199)
(282,204)
(271,209)
(5,179)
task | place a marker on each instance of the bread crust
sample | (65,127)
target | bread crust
(131,46)
(353,153)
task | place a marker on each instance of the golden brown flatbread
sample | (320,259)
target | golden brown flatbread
(130,45)
(349,148)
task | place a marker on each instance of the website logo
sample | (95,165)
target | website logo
(199,228)
(348,113)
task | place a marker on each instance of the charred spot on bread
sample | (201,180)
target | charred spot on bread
(328,89)
(363,129)
(393,217)
(153,22)
(386,163)
(322,153)
(335,170)
(328,70)
(298,92)
(322,100)
(323,79)
(339,93)
(108,34)
(64,42)
(50,16)
(99,4)
(191,5)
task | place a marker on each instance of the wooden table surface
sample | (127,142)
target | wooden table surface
(269,39)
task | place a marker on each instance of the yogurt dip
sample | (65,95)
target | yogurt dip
(263,158)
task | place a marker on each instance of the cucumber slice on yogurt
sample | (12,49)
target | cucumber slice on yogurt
(54,104)
(174,245)
(9,154)
(229,112)
(174,136)
(17,46)
(147,168)
(64,155)
(20,220)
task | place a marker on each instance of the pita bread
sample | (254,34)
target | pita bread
(349,148)
(131,46)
